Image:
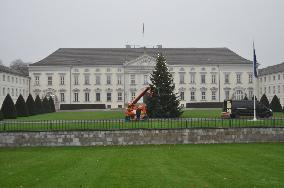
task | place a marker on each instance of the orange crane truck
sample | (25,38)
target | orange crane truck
(132,107)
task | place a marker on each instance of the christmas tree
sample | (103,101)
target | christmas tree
(164,102)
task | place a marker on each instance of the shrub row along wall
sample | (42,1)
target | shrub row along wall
(81,106)
(139,137)
(205,105)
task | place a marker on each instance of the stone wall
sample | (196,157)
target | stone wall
(138,137)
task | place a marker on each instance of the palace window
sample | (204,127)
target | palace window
(8,78)
(278,88)
(98,96)
(213,95)
(250,94)
(4,77)
(62,97)
(49,80)
(278,76)
(98,80)
(87,79)
(192,95)
(119,78)
(133,94)
(182,95)
(108,79)
(213,78)
(76,79)
(181,78)
(62,80)
(227,78)
(132,79)
(274,77)
(16,80)
(239,78)
(239,95)
(203,78)
(146,80)
(227,95)
(108,97)
(16,92)
(250,78)
(12,79)
(192,78)
(203,95)
(87,97)
(76,97)
(273,89)
(4,91)
(36,80)
(119,96)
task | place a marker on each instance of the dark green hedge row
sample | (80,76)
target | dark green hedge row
(9,110)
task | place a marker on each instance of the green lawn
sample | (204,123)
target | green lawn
(222,165)
(110,114)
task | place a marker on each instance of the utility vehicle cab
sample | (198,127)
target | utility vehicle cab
(235,109)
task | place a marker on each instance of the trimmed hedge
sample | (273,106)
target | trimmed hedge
(264,101)
(31,105)
(275,104)
(1,115)
(8,108)
(38,105)
(21,107)
(46,105)
(51,104)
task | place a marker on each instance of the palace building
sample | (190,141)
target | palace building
(114,76)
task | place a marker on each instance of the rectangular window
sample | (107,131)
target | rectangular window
(8,78)
(12,79)
(98,80)
(62,97)
(132,79)
(62,80)
(108,79)
(4,91)
(265,89)
(108,97)
(4,77)
(278,89)
(181,78)
(278,76)
(203,96)
(250,78)
(273,89)
(182,95)
(145,79)
(98,97)
(87,79)
(133,95)
(192,78)
(119,78)
(49,80)
(213,78)
(192,96)
(37,80)
(76,79)
(239,79)
(227,95)
(273,77)
(213,95)
(16,80)
(227,78)
(203,78)
(87,97)
(76,97)
(119,96)
(16,92)
(250,94)
(12,91)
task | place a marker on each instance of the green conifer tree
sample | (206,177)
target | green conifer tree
(164,102)
(51,104)
(275,104)
(31,105)
(264,101)
(46,105)
(21,107)
(38,105)
(8,108)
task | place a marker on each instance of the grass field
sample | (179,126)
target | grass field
(110,114)
(223,165)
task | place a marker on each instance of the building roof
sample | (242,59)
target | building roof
(10,71)
(271,69)
(118,56)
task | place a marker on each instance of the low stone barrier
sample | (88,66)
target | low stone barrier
(142,136)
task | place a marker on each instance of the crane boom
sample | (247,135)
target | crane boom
(139,97)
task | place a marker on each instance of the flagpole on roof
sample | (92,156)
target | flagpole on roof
(254,83)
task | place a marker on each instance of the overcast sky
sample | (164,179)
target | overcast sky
(32,29)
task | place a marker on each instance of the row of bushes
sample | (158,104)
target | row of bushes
(23,108)
(275,104)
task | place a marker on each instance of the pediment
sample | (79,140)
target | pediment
(144,60)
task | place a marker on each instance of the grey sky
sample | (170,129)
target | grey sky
(32,29)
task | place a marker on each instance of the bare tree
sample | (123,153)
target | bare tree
(20,66)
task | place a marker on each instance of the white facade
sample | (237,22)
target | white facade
(116,85)
(272,84)
(14,85)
